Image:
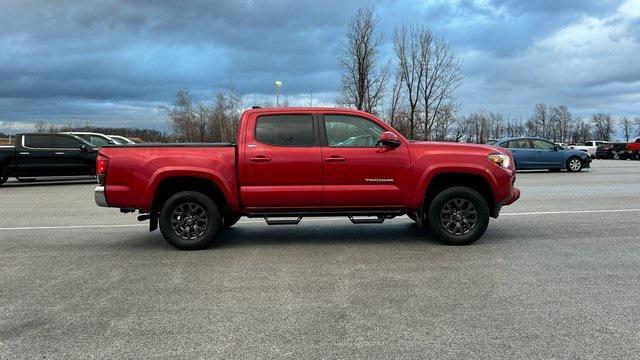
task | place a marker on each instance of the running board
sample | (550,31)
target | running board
(283,222)
(378,220)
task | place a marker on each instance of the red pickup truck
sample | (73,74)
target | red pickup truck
(290,163)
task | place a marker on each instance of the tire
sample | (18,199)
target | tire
(230,220)
(574,164)
(462,201)
(3,177)
(616,155)
(187,235)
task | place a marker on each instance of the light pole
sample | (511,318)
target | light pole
(277,84)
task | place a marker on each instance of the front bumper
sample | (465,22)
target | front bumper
(586,163)
(515,195)
(100,196)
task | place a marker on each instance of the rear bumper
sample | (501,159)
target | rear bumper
(100,196)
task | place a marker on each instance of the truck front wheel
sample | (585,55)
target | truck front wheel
(190,220)
(458,216)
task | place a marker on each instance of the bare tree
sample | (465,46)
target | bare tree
(395,102)
(181,116)
(538,123)
(603,126)
(363,83)
(560,122)
(442,75)
(627,128)
(40,127)
(406,44)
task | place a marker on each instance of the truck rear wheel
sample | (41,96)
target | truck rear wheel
(458,216)
(190,220)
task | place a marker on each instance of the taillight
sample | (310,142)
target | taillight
(102,163)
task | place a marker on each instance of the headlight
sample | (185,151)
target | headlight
(501,160)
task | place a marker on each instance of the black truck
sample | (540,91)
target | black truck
(47,155)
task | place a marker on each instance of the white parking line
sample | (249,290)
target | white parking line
(558,212)
(569,212)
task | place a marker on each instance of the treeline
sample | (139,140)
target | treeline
(414,92)
(555,123)
(144,135)
(196,121)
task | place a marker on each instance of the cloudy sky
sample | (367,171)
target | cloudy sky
(117,62)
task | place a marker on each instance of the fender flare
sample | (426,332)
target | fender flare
(208,174)
(430,173)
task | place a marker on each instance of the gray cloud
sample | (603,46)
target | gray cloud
(117,61)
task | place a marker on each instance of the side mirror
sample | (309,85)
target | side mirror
(556,148)
(389,139)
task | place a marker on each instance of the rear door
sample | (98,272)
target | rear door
(70,159)
(523,154)
(357,172)
(36,156)
(282,167)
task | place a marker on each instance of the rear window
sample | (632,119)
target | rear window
(285,130)
(62,141)
(38,141)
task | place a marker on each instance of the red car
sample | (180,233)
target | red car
(290,163)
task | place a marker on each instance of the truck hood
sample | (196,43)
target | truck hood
(460,147)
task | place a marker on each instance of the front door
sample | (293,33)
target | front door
(547,154)
(358,173)
(282,166)
(70,159)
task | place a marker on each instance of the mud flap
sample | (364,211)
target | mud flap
(153,221)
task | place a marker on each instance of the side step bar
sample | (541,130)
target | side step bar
(356,217)
(378,220)
(283,222)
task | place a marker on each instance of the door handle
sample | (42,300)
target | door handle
(59,153)
(24,153)
(260,158)
(335,158)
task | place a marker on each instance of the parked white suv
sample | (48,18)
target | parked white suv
(589,147)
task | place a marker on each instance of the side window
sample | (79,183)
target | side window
(38,141)
(519,144)
(285,130)
(542,145)
(588,143)
(67,142)
(98,140)
(351,131)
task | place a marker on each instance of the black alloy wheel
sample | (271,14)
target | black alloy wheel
(458,215)
(190,220)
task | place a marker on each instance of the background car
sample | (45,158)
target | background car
(616,151)
(590,146)
(96,139)
(535,153)
(121,139)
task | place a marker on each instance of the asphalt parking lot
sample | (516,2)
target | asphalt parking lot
(556,276)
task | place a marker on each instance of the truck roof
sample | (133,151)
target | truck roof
(306,109)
